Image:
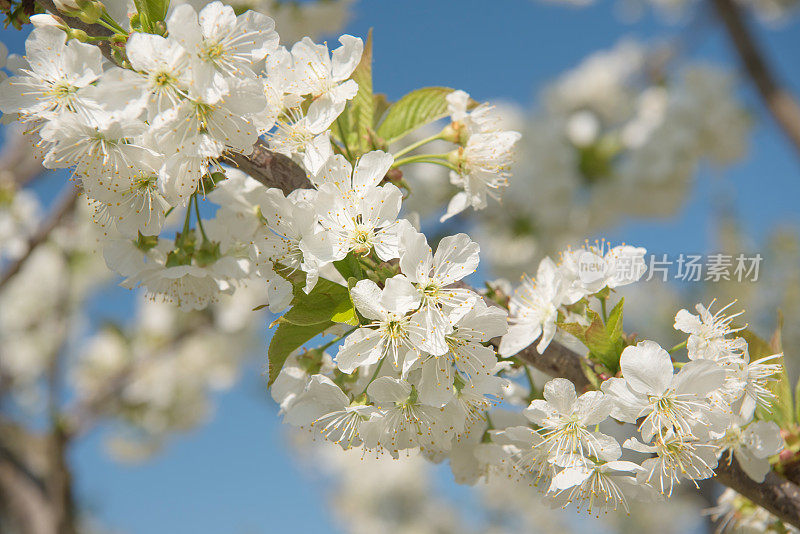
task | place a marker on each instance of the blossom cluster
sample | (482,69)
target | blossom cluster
(440,377)
(149,136)
(420,360)
(688,416)
(439,392)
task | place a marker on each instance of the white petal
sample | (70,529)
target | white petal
(387,389)
(362,347)
(647,368)
(560,393)
(367,299)
(456,256)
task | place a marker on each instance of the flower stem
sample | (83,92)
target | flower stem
(677,347)
(199,219)
(111,24)
(414,146)
(374,375)
(349,154)
(337,339)
(187,219)
(436,159)
(534,391)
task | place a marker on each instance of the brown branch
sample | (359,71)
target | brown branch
(775,494)
(64,206)
(270,168)
(92,30)
(18,162)
(24,501)
(780,102)
(557,361)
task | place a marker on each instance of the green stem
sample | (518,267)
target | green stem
(422,158)
(677,347)
(108,26)
(187,219)
(199,219)
(114,25)
(414,146)
(369,262)
(327,345)
(528,374)
(374,375)
(603,309)
(489,424)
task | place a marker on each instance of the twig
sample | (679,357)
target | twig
(92,30)
(780,102)
(775,494)
(270,168)
(64,206)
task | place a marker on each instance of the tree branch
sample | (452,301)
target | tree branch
(557,361)
(92,30)
(775,494)
(24,501)
(64,206)
(270,168)
(780,102)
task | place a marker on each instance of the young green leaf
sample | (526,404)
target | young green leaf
(363,106)
(414,110)
(287,338)
(604,341)
(327,302)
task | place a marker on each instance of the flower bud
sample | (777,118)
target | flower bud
(67,6)
(80,35)
(45,19)
(88,11)
(91,11)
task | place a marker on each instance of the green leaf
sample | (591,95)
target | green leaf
(362,111)
(782,410)
(414,110)
(150,12)
(327,302)
(349,267)
(589,373)
(604,341)
(614,324)
(287,338)
(797,402)
(381,104)
(157,9)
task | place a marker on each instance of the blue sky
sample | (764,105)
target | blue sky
(236,474)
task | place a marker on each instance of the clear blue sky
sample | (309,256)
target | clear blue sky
(235,474)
